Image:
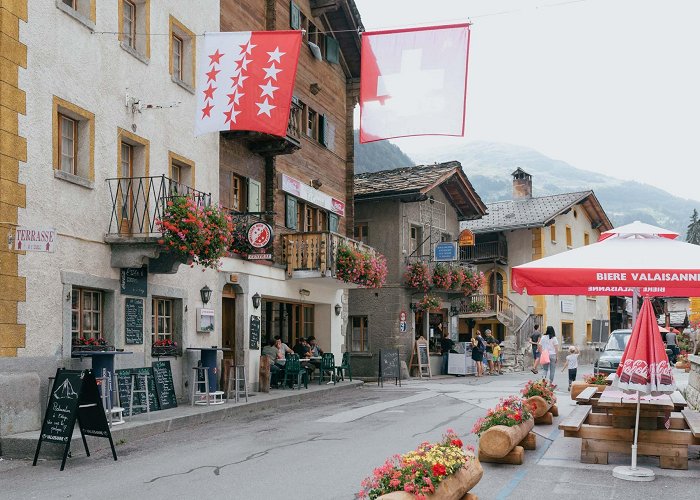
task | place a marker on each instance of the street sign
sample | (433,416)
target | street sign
(35,239)
(466,238)
(403,327)
(402,316)
(447,251)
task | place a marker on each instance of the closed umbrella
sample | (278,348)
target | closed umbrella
(643,369)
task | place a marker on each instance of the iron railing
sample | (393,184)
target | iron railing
(489,251)
(139,202)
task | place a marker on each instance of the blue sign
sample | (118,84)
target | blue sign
(446,251)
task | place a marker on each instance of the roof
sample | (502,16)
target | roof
(344,19)
(413,183)
(537,212)
(677,319)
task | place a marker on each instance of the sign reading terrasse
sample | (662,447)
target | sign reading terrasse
(307,193)
(34,239)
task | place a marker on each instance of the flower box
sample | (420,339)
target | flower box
(165,351)
(91,348)
(454,487)
(499,440)
(578,387)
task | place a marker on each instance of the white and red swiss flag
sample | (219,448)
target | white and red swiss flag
(245,81)
(413,82)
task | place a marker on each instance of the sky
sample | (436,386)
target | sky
(610,86)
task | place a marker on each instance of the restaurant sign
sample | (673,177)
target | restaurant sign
(259,234)
(466,238)
(307,193)
(35,239)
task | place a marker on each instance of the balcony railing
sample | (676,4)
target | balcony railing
(272,145)
(484,252)
(316,252)
(139,202)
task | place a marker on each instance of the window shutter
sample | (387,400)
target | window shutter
(253,196)
(323,130)
(333,223)
(332,50)
(294,16)
(291,213)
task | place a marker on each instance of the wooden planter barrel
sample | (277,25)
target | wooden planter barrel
(578,387)
(499,440)
(539,404)
(454,487)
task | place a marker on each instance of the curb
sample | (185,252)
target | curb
(23,446)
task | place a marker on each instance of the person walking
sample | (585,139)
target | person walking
(551,344)
(572,364)
(478,348)
(535,342)
(673,345)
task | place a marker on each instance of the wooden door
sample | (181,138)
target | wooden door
(228,326)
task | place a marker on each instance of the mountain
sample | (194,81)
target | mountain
(489,165)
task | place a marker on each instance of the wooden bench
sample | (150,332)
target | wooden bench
(679,402)
(576,418)
(692,418)
(586,395)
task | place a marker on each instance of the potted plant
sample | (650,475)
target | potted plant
(503,428)
(457,276)
(476,306)
(418,276)
(90,344)
(444,470)
(428,302)
(362,268)
(682,362)
(598,380)
(472,282)
(196,233)
(164,347)
(540,395)
(442,276)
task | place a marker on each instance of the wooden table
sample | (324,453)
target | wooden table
(607,426)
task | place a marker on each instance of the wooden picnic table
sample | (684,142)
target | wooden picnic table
(606,425)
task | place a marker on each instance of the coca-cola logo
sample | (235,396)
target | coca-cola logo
(259,234)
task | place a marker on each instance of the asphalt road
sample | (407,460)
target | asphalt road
(322,450)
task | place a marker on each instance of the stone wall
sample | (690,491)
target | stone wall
(692,392)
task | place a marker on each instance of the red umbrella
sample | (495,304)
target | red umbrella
(644,368)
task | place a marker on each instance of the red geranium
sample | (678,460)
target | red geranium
(439,470)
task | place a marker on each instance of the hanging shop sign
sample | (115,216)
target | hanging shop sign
(446,251)
(259,234)
(307,193)
(35,239)
(466,238)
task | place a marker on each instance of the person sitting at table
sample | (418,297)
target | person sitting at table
(270,350)
(304,351)
(316,351)
(282,348)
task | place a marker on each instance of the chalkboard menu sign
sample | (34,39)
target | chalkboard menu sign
(423,353)
(74,397)
(124,388)
(254,342)
(134,281)
(133,320)
(164,384)
(389,366)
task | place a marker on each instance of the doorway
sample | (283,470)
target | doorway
(228,323)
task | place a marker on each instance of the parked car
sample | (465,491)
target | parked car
(612,354)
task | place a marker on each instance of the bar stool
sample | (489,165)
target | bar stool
(143,390)
(114,412)
(236,376)
(204,370)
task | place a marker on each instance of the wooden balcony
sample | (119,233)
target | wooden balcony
(485,252)
(314,254)
(272,145)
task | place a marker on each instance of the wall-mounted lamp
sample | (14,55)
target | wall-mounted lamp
(315,88)
(454,311)
(304,292)
(256,300)
(412,306)
(205,294)
(338,308)
(316,183)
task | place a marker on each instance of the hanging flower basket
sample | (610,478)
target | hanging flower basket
(472,282)
(428,302)
(444,470)
(457,276)
(442,277)
(194,231)
(360,267)
(418,276)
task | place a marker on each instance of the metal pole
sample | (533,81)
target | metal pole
(635,301)
(636,432)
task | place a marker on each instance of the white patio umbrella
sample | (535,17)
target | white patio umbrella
(632,259)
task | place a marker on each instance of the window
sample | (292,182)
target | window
(73,143)
(86,313)
(308,321)
(82,11)
(132,162)
(586,238)
(181,173)
(589,332)
(553,233)
(161,319)
(134,28)
(291,208)
(569,239)
(311,123)
(71,4)
(333,221)
(359,341)
(446,237)
(567,332)
(310,217)
(68,144)
(238,197)
(361,232)
(316,36)
(182,54)
(415,241)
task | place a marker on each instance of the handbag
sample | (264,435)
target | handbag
(544,357)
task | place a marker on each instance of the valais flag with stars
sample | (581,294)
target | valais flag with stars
(245,81)
(413,82)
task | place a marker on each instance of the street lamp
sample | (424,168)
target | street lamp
(205,293)
(256,300)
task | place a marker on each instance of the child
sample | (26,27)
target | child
(572,364)
(497,359)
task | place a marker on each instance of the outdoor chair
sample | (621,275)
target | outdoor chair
(293,371)
(344,367)
(327,366)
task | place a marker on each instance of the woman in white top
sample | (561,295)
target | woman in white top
(549,341)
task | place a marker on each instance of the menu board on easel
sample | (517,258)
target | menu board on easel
(420,358)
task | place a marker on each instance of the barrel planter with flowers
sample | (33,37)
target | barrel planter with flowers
(597,380)
(539,394)
(505,431)
(445,470)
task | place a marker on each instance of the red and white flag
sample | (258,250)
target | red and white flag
(413,82)
(245,81)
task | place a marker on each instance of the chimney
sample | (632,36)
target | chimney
(522,185)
